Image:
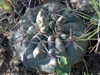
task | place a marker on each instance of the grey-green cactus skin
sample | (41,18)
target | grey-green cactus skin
(42,34)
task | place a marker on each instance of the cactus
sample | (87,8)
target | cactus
(45,33)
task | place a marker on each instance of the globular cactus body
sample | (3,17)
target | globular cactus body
(41,37)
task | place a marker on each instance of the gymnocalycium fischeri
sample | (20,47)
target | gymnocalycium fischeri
(47,32)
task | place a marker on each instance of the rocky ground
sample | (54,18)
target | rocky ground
(10,63)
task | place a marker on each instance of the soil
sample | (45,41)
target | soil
(10,63)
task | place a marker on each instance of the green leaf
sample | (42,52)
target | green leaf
(58,68)
(63,60)
(66,69)
(58,72)
(65,74)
